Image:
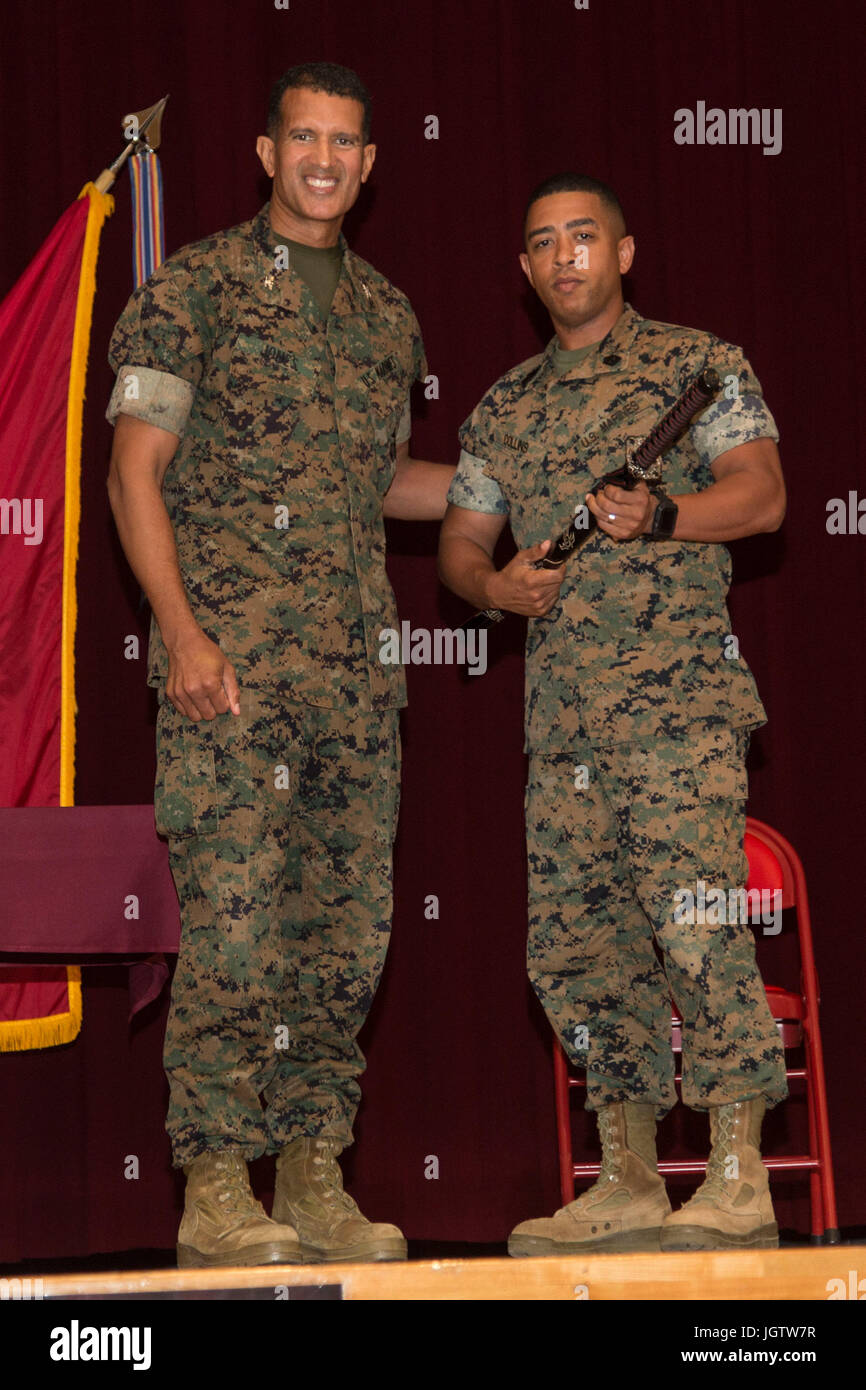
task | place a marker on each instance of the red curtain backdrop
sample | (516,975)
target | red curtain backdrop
(762,249)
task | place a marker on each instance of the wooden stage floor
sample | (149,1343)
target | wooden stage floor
(804,1273)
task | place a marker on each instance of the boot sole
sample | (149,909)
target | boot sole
(625,1242)
(393,1250)
(190,1258)
(705,1238)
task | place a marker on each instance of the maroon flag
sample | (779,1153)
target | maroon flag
(44,338)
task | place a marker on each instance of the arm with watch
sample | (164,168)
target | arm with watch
(746,498)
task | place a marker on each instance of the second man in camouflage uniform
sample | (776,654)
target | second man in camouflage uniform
(638,711)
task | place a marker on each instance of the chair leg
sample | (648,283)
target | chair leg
(809,990)
(815,1068)
(816,1201)
(563,1122)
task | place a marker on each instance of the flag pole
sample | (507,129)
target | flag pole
(144,132)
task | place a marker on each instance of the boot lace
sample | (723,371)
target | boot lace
(611,1156)
(714,1183)
(331,1179)
(235,1194)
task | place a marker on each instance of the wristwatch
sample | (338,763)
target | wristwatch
(664,518)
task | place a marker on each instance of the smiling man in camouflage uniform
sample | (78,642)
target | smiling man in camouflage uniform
(262,427)
(638,712)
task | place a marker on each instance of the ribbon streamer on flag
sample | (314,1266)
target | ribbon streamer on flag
(148,249)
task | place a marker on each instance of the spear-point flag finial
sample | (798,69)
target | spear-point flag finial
(143,132)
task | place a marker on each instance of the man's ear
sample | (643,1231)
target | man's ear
(367,159)
(526,268)
(625,252)
(265,152)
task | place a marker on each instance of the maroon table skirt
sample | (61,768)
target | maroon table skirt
(79,881)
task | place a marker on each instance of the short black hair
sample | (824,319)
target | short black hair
(578,183)
(330,78)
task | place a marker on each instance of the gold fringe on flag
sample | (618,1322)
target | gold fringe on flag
(16,1035)
(101,206)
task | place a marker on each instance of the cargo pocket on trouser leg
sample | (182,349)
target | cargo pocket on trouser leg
(686,822)
(185,799)
(205,803)
(720,783)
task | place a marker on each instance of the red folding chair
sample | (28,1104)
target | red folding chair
(774,865)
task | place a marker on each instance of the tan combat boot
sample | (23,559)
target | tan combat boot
(624,1208)
(223,1224)
(309,1194)
(729,1212)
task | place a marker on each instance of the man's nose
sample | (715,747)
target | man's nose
(322,152)
(564,250)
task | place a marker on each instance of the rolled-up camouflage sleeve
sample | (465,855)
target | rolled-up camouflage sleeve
(159,350)
(159,398)
(473,489)
(739,415)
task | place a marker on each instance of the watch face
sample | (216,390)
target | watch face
(665,519)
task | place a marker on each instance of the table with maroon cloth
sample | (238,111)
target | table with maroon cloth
(78,882)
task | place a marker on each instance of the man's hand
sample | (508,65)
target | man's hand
(466,544)
(201,682)
(621,513)
(518,588)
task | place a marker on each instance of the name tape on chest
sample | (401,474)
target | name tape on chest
(511,441)
(271,353)
(389,367)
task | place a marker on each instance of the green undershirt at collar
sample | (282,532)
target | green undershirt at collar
(319,267)
(566,358)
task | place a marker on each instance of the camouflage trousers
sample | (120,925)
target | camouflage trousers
(281,824)
(614,835)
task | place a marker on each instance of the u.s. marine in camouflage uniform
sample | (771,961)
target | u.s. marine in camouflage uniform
(638,712)
(263,383)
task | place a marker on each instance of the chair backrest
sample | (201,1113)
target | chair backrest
(765,869)
(770,853)
(773,863)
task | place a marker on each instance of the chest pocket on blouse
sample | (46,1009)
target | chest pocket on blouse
(385,404)
(542,486)
(516,464)
(269,398)
(373,410)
